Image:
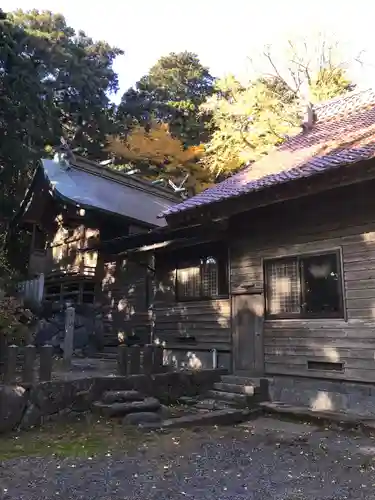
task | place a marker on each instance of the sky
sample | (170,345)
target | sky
(228,36)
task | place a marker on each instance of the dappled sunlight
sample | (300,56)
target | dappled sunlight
(331,354)
(322,402)
(183,360)
(324,139)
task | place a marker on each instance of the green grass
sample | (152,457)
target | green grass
(86,438)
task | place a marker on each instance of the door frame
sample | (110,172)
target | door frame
(258,340)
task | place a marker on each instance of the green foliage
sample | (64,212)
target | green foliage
(170,93)
(53,82)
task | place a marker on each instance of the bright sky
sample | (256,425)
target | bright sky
(224,33)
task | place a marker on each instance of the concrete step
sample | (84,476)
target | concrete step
(249,390)
(229,397)
(218,417)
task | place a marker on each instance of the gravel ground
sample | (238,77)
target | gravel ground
(261,460)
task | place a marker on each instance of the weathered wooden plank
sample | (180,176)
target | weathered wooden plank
(360,265)
(207,325)
(365,293)
(349,374)
(367,303)
(211,333)
(195,314)
(360,285)
(349,362)
(329,352)
(368,314)
(218,305)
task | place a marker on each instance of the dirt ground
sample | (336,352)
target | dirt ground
(263,459)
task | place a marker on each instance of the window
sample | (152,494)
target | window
(202,274)
(304,286)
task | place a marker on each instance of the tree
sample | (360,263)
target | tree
(79,74)
(25,110)
(159,156)
(309,68)
(53,82)
(170,93)
(248,120)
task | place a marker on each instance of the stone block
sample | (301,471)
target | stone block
(13,400)
(142,418)
(120,409)
(110,397)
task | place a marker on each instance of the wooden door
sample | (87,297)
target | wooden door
(247,327)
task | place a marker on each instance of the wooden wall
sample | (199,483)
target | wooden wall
(125,297)
(342,218)
(207,320)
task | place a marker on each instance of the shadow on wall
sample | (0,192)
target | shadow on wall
(345,347)
(127,293)
(196,334)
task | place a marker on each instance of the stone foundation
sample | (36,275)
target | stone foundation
(324,395)
(57,398)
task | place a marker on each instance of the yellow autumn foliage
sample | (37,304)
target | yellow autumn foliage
(163,153)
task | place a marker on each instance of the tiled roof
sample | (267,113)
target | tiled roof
(344,133)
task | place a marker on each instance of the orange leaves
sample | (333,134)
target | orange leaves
(156,146)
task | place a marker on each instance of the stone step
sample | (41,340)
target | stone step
(325,417)
(229,397)
(217,417)
(110,397)
(249,390)
(213,404)
(122,409)
(241,380)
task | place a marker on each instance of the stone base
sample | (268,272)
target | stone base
(216,417)
(324,395)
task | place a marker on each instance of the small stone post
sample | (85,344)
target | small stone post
(46,360)
(134,360)
(122,360)
(11,364)
(158,358)
(28,365)
(148,359)
(69,336)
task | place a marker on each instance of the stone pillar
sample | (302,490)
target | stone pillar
(69,336)
(11,364)
(122,360)
(158,358)
(46,360)
(134,360)
(148,359)
(28,365)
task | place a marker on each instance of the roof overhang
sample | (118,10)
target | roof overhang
(93,188)
(164,239)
